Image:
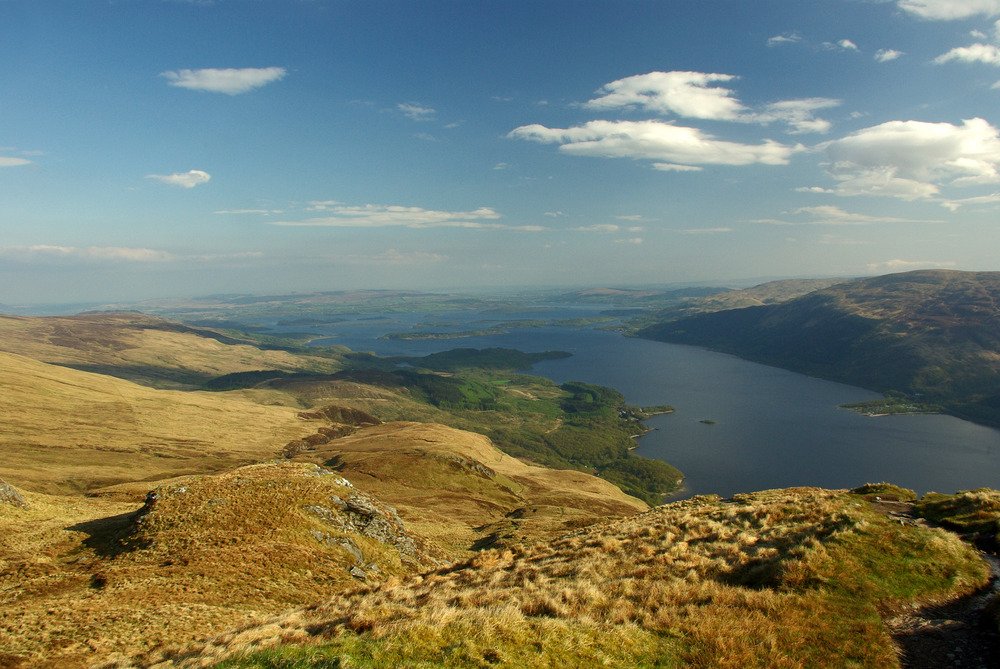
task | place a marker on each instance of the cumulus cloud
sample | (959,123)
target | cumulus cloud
(945,10)
(898,265)
(671,146)
(829,215)
(416,111)
(687,94)
(912,159)
(231,81)
(885,55)
(10,161)
(799,114)
(384,216)
(977,53)
(188,179)
(692,95)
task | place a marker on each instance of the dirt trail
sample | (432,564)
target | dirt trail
(959,633)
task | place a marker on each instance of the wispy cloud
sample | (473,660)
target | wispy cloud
(265,212)
(785,38)
(600,227)
(885,55)
(705,231)
(672,147)
(383,216)
(830,215)
(416,111)
(698,95)
(898,265)
(630,240)
(976,53)
(841,45)
(106,254)
(10,161)
(230,81)
(188,179)
(946,10)
(394,257)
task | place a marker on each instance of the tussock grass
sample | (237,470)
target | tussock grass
(793,578)
(970,511)
(69,431)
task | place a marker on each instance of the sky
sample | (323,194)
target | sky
(160,148)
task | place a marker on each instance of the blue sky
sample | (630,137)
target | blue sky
(171,148)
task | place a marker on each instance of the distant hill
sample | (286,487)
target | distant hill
(145,349)
(933,334)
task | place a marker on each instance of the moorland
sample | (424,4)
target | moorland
(175,494)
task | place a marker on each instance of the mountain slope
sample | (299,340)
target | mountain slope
(934,334)
(787,578)
(65,430)
(144,349)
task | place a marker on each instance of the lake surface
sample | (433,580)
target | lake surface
(772,428)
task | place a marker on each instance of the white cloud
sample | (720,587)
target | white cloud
(977,53)
(843,45)
(898,265)
(501,166)
(230,81)
(950,9)
(683,93)
(953,205)
(799,114)
(416,111)
(670,167)
(249,211)
(830,215)
(678,147)
(601,227)
(10,161)
(89,253)
(394,257)
(911,159)
(704,231)
(554,214)
(638,218)
(383,216)
(188,179)
(689,94)
(885,55)
(630,240)
(786,38)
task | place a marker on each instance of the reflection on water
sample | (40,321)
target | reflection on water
(769,428)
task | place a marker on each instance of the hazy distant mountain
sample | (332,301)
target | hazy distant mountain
(931,333)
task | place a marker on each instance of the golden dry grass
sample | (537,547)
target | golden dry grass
(141,349)
(457,488)
(64,430)
(792,578)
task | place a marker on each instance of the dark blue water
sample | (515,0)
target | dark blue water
(772,428)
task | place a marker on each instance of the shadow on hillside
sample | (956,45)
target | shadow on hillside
(109,536)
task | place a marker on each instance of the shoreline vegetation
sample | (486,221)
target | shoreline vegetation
(573,425)
(893,404)
(500,328)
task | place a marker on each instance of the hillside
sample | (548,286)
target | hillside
(65,430)
(787,578)
(144,349)
(933,336)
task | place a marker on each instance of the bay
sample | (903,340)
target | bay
(766,427)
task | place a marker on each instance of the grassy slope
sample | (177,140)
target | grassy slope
(65,430)
(457,488)
(144,349)
(932,333)
(775,579)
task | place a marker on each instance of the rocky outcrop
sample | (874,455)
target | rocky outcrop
(10,495)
